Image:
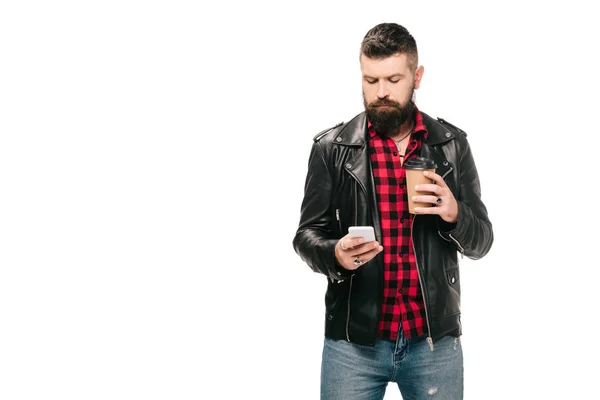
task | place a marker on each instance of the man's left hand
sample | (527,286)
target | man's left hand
(444,203)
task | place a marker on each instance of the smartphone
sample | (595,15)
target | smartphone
(366,232)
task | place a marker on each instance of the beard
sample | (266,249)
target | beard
(388,120)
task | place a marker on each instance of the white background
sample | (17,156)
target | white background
(152,162)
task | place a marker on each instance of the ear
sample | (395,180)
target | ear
(418,76)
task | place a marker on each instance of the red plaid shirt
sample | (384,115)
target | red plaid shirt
(402,298)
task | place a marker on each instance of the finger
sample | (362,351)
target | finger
(369,255)
(351,242)
(429,187)
(425,199)
(428,210)
(364,248)
(436,178)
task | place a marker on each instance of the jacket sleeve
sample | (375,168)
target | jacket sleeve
(472,233)
(313,241)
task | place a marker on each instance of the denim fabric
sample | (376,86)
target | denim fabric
(352,372)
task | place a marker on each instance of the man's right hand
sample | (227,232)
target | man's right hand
(351,252)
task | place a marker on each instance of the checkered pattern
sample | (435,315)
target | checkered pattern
(402,297)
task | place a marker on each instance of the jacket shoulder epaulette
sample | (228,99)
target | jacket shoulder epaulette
(325,132)
(443,121)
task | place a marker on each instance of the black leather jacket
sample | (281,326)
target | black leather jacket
(339,192)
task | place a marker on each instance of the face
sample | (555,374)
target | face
(388,87)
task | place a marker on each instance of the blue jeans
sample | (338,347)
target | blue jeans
(351,372)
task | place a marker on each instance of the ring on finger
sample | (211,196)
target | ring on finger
(438,201)
(357,261)
(342,245)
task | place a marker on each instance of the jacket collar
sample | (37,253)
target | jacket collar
(356,132)
(437,132)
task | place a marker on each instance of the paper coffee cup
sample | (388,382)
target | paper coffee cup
(414,168)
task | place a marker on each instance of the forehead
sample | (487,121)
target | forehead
(396,64)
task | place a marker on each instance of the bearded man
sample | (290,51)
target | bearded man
(392,305)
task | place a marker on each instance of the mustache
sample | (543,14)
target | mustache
(384,102)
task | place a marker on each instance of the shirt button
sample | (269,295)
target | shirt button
(401,185)
(395,153)
(401,220)
(401,254)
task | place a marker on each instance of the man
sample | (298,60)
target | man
(393,304)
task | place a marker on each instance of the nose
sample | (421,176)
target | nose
(382,89)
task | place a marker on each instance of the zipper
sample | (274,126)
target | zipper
(460,248)
(355,203)
(352,276)
(447,172)
(337,216)
(429,339)
(348,315)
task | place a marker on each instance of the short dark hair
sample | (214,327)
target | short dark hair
(388,39)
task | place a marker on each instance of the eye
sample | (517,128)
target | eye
(394,80)
(371,81)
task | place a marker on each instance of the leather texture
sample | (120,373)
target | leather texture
(340,192)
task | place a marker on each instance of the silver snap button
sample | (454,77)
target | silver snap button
(348,165)
(448,134)
(453,280)
(445,163)
(339,139)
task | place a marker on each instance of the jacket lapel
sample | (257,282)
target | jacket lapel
(436,135)
(354,135)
